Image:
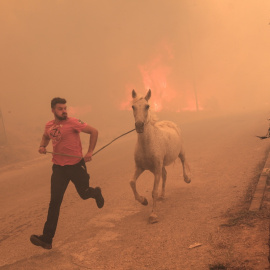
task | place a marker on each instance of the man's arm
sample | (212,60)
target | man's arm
(92,143)
(44,142)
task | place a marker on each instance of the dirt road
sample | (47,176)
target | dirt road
(225,158)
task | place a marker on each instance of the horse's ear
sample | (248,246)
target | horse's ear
(134,94)
(148,95)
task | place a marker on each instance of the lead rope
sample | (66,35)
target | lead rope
(96,151)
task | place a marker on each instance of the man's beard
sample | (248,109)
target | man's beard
(63,117)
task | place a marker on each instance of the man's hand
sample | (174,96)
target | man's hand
(44,142)
(88,156)
(92,143)
(42,150)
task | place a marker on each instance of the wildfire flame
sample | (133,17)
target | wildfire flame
(156,76)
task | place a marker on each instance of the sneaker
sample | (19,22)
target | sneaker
(98,197)
(40,240)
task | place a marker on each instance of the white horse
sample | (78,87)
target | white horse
(159,144)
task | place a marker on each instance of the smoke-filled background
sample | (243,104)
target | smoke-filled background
(195,55)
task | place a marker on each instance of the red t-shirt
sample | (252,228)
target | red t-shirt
(65,137)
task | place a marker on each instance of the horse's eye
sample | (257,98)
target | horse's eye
(147,107)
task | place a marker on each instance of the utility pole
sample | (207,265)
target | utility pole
(193,71)
(3,136)
(192,66)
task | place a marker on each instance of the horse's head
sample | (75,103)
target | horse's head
(140,108)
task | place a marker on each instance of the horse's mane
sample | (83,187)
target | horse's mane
(137,98)
(152,117)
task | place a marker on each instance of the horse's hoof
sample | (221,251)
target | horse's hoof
(145,202)
(161,198)
(153,219)
(187,180)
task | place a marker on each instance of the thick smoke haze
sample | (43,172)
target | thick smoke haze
(207,63)
(93,53)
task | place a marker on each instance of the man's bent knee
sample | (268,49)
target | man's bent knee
(86,194)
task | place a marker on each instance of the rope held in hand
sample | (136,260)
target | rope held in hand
(60,154)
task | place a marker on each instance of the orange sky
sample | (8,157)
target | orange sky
(94,52)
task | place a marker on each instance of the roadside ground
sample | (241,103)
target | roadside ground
(245,233)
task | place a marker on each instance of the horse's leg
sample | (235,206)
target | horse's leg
(164,177)
(132,183)
(186,170)
(153,217)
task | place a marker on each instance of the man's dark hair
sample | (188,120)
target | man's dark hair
(57,100)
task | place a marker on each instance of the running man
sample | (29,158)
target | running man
(64,132)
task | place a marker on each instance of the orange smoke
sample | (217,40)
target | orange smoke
(79,111)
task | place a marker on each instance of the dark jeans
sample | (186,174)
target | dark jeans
(59,181)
